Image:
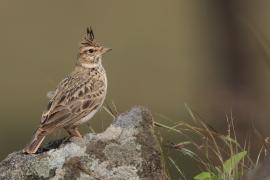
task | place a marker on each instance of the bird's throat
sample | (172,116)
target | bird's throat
(86,65)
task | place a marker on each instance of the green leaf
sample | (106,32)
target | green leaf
(231,163)
(203,176)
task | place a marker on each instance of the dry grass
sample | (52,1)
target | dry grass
(219,156)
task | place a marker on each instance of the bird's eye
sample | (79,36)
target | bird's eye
(91,50)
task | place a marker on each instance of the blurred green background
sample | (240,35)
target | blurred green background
(165,54)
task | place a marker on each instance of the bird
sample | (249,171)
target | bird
(78,97)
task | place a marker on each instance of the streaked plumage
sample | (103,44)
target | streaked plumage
(77,97)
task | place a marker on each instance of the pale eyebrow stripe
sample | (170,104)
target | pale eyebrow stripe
(86,48)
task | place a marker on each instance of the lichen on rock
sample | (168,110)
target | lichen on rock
(128,149)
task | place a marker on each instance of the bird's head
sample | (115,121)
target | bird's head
(90,51)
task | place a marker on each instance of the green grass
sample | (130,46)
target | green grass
(218,156)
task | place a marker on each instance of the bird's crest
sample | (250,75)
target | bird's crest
(89,38)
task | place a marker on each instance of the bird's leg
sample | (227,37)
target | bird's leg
(73,132)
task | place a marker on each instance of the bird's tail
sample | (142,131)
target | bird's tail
(36,141)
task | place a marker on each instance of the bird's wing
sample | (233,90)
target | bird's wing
(74,98)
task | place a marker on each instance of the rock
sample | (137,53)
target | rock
(260,172)
(128,149)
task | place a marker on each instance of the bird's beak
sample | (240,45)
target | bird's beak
(104,50)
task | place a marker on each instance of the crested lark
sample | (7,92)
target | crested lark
(77,97)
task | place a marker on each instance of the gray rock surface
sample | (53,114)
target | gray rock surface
(261,172)
(128,149)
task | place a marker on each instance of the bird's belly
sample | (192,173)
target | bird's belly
(86,118)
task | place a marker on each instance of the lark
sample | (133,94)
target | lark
(77,97)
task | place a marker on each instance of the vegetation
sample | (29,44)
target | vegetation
(219,156)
